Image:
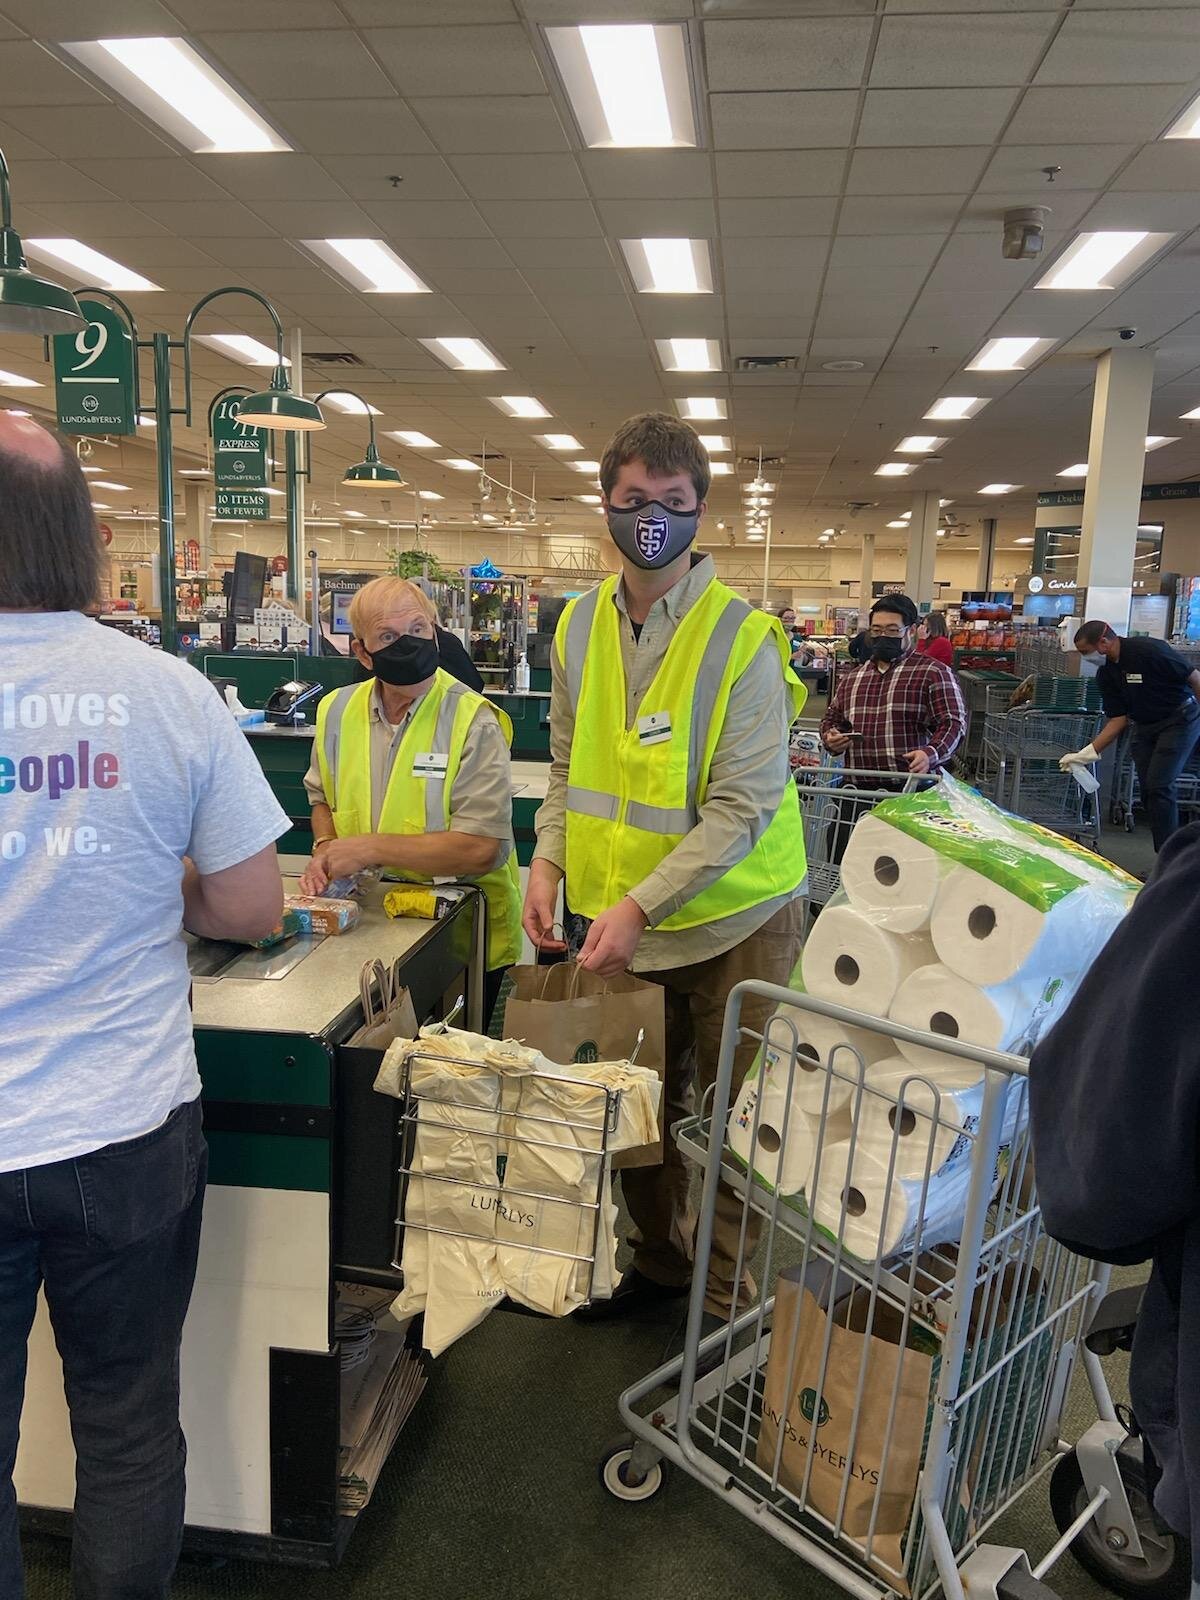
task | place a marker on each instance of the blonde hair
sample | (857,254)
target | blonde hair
(381,597)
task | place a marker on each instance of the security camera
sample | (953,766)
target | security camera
(1024,233)
(1127,333)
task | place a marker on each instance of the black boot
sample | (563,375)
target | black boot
(634,1293)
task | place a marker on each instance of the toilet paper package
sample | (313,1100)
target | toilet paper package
(1004,1016)
(776,1139)
(853,961)
(914,1118)
(850,1198)
(891,876)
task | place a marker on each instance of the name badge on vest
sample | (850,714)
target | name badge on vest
(428,764)
(1133,677)
(654,728)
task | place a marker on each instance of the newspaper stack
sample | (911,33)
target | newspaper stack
(381,1382)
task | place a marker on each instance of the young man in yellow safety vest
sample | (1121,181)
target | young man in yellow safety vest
(671,814)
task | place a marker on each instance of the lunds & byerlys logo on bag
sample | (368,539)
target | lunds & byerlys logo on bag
(808,1404)
(587,1051)
(650,535)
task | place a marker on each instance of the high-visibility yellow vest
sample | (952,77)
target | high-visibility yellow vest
(633,794)
(419,788)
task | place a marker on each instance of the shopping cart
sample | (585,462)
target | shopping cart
(984,694)
(1004,1308)
(1022,750)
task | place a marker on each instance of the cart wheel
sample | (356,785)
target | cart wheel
(1129,822)
(614,1465)
(1165,1566)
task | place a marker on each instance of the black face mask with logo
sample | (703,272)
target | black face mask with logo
(652,535)
(407,660)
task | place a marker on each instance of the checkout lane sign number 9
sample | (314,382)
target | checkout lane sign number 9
(93,374)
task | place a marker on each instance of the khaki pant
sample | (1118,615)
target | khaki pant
(658,1197)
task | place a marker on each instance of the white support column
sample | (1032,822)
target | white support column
(866,578)
(922,547)
(987,553)
(1112,493)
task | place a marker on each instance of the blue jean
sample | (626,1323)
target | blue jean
(113,1236)
(1160,753)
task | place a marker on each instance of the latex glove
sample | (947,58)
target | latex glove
(1083,758)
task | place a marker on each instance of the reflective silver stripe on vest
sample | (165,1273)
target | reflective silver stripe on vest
(575,645)
(659,819)
(708,684)
(337,703)
(435,788)
(592,803)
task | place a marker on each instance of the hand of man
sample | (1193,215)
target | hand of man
(836,741)
(918,760)
(340,858)
(612,939)
(1082,758)
(315,879)
(541,905)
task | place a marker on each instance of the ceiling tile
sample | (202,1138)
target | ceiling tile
(782,120)
(1146,46)
(1155,213)
(61,19)
(647,174)
(528,177)
(926,170)
(985,212)
(771,218)
(236,15)
(368,13)
(808,53)
(349,127)
(91,220)
(788,266)
(19,147)
(1084,166)
(883,251)
(169,179)
(271,177)
(567,11)
(86,131)
(427,219)
(55,180)
(643,219)
(561,219)
(915,51)
(433,255)
(494,124)
(315,219)
(458,60)
(30,76)
(315,64)
(917,213)
(254,254)
(421,178)
(1124,113)
(933,116)
(206,218)
(560,253)
(766,173)
(1173,165)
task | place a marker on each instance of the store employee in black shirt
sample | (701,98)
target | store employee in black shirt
(1145,682)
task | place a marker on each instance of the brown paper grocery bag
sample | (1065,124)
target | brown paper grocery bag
(803,1399)
(570,1014)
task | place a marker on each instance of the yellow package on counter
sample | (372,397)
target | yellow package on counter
(419,900)
(318,915)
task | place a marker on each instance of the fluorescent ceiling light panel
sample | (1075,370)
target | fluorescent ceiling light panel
(349,404)
(175,86)
(184,472)
(589,499)
(243,348)
(369,265)
(354,513)
(1155,441)
(628,84)
(715,443)
(460,464)
(14,380)
(755,538)
(1102,260)
(99,269)
(414,440)
(1187,125)
(464,355)
(1190,416)
(99,505)
(955,408)
(107,483)
(519,405)
(720,469)
(999,488)
(669,266)
(590,467)
(1008,354)
(702,408)
(430,494)
(689,355)
(558,441)
(919,444)
(1027,539)
(277,493)
(1079,470)
(899,523)
(895,469)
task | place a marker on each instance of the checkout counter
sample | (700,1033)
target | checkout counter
(302,1193)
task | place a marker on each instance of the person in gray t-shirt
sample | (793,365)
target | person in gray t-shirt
(131,807)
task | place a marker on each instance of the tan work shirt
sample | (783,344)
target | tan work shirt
(746,782)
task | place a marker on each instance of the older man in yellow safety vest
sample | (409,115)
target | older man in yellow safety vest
(411,771)
(671,813)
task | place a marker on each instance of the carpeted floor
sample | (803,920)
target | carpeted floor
(492,1490)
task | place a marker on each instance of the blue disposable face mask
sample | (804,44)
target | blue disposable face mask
(652,535)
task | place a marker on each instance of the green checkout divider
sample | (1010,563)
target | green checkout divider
(263,1068)
(268,1161)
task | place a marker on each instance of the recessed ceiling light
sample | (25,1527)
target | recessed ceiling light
(592,468)
(90,470)
(755,537)
(351,405)
(558,441)
(628,84)
(1093,259)
(519,405)
(99,505)
(175,86)
(14,380)
(414,440)
(487,516)
(919,444)
(1026,539)
(1079,470)
(354,513)
(430,494)
(940,503)
(370,265)
(715,443)
(1187,124)
(107,483)
(702,408)
(243,348)
(99,269)
(184,472)
(900,522)
(464,355)
(669,266)
(720,469)
(589,499)
(842,366)
(147,422)
(276,494)
(955,408)
(1155,441)
(895,469)
(1008,354)
(999,488)
(460,464)
(689,355)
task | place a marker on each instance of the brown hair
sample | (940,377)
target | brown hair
(50,546)
(663,443)
(935,624)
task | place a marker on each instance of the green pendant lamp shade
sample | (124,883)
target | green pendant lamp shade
(29,304)
(371,473)
(278,407)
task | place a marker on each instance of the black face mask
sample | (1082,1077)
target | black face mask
(405,661)
(887,649)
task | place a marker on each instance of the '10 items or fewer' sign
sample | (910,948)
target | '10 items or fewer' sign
(241,505)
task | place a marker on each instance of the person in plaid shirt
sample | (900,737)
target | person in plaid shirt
(898,711)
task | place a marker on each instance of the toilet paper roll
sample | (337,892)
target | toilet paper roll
(852,1199)
(823,1056)
(987,934)
(776,1144)
(936,1000)
(891,876)
(924,1114)
(851,960)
